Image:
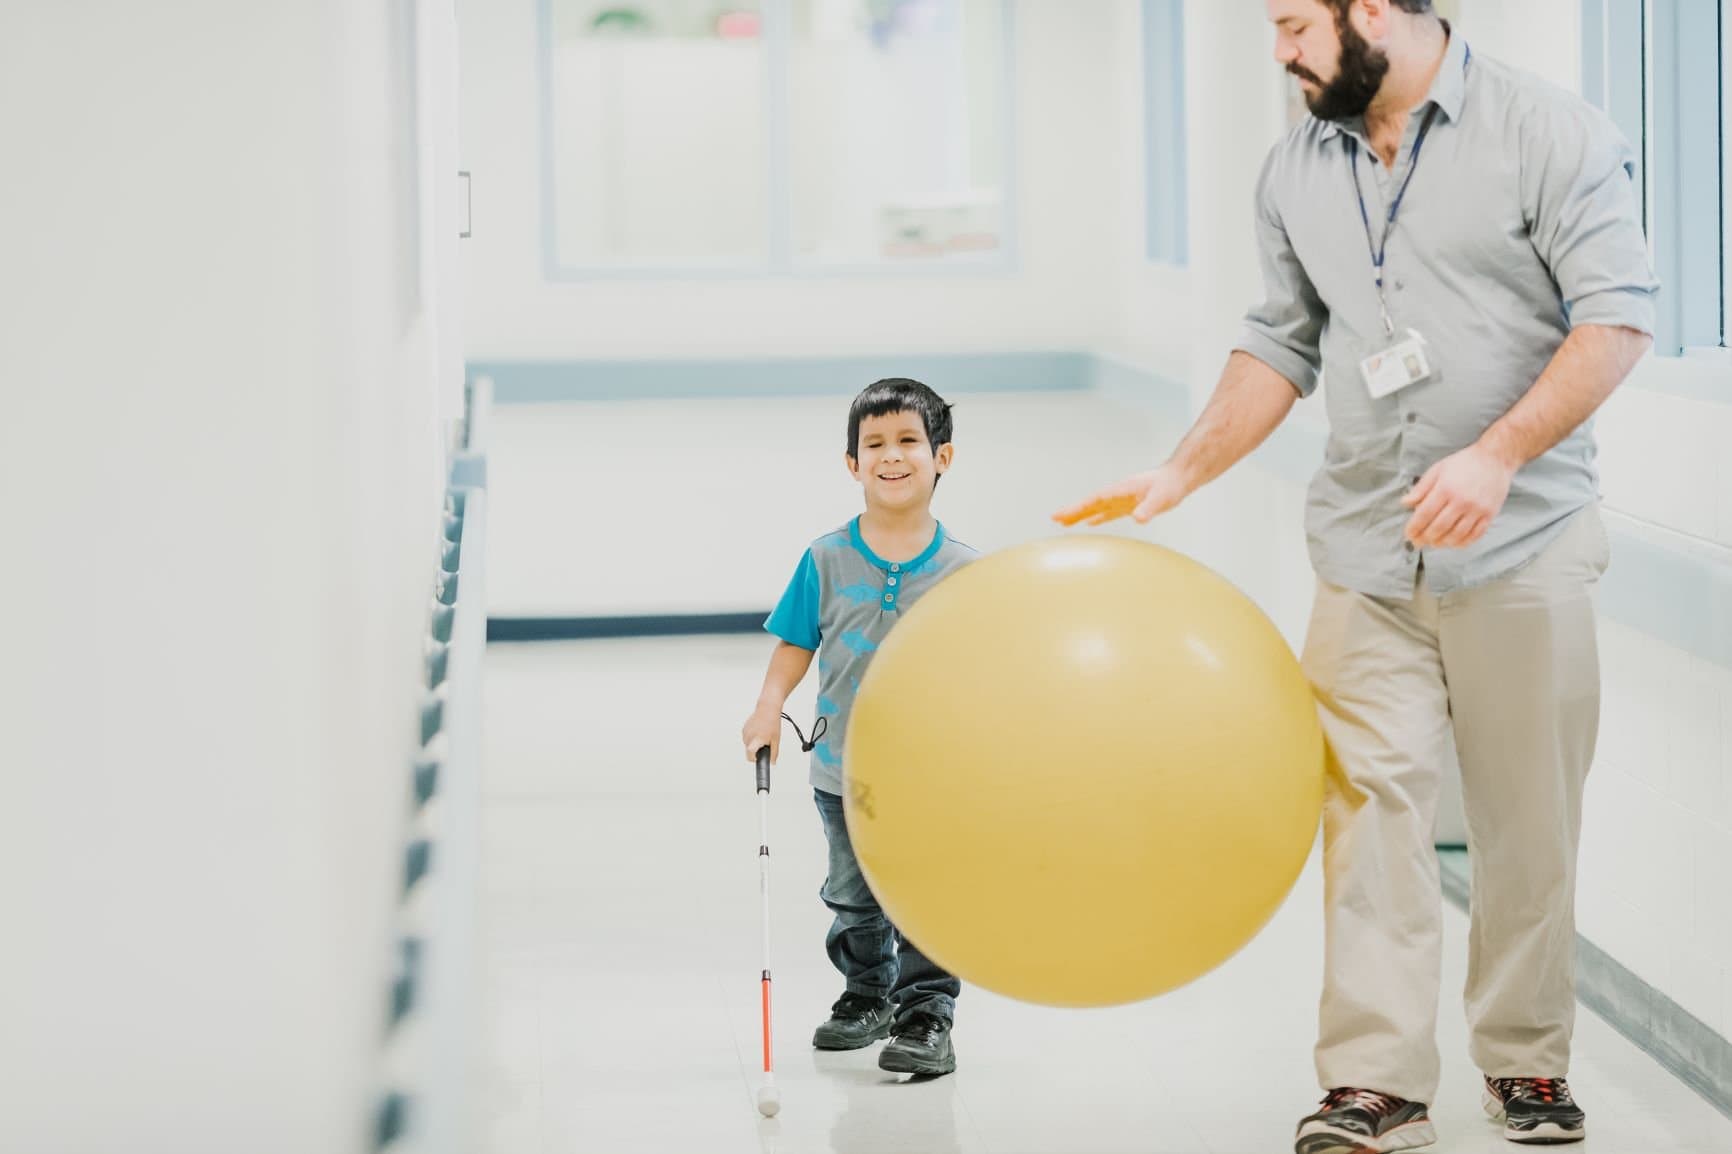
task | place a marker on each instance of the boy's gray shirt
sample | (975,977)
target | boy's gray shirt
(842,602)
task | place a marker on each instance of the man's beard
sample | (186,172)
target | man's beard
(1356,82)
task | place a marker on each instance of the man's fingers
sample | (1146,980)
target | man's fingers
(1427,516)
(1151,508)
(1097,510)
(1447,525)
(1468,530)
(1424,489)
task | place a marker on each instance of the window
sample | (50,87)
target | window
(1659,67)
(778,136)
(1167,226)
(659,136)
(1726,173)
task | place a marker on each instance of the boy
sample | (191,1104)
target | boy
(850,589)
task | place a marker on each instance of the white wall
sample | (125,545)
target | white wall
(1542,36)
(221,450)
(1058,295)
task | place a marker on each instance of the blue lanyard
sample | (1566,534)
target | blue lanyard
(1379,251)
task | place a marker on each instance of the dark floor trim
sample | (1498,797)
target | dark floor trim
(603,628)
(1698,1056)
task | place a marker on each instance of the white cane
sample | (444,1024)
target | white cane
(769,1099)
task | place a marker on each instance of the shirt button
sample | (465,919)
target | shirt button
(889,598)
(1412,417)
(1408,546)
(892,580)
(895,568)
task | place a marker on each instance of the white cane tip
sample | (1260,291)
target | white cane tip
(769,1101)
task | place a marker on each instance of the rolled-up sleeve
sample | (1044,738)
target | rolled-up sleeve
(1284,329)
(1579,200)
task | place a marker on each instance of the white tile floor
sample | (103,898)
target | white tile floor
(621,964)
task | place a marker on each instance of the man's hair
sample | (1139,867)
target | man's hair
(900,395)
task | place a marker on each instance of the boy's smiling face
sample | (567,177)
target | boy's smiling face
(897,466)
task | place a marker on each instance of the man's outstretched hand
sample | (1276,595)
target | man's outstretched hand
(1142,496)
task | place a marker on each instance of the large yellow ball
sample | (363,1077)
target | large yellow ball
(1083,771)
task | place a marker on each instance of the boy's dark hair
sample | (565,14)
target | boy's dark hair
(900,395)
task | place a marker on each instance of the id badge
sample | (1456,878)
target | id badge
(1396,367)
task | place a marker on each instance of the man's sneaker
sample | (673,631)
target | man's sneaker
(856,1021)
(920,1045)
(1535,1111)
(1364,1122)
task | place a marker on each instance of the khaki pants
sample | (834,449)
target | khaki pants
(1507,673)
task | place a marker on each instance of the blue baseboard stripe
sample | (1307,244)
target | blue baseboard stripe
(522,382)
(504,629)
(1683,598)
(1697,1055)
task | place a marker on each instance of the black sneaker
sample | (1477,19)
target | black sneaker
(920,1045)
(1364,1122)
(1535,1111)
(856,1021)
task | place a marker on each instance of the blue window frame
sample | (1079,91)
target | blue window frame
(1167,221)
(1659,68)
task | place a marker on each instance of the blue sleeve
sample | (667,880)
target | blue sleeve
(795,618)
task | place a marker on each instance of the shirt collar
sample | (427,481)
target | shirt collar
(1448,89)
(926,555)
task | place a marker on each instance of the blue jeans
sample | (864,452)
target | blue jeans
(874,958)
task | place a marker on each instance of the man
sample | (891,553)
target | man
(1456,247)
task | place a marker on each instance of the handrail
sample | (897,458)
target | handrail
(427,1103)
